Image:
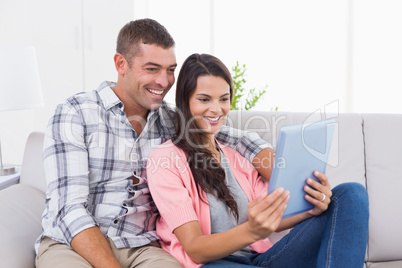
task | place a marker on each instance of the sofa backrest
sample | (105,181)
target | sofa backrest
(346,160)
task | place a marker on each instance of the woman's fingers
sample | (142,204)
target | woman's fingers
(318,193)
(322,179)
(268,203)
(321,187)
(265,212)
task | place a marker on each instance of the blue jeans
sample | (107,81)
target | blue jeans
(336,238)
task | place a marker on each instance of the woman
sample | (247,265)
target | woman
(214,207)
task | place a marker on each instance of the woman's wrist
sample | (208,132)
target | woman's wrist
(252,234)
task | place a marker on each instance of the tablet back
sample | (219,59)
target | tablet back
(301,149)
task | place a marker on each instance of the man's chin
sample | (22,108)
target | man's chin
(155,105)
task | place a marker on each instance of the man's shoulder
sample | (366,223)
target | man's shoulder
(89,98)
(77,103)
(81,97)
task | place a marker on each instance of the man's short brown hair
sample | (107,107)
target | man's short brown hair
(145,31)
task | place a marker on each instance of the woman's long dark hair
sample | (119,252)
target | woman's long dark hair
(207,172)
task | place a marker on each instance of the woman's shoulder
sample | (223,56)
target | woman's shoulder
(168,147)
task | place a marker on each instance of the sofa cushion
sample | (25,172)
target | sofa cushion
(390,264)
(382,135)
(21,207)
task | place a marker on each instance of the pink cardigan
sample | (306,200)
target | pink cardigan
(175,194)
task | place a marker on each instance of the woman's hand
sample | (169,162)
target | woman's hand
(318,193)
(265,213)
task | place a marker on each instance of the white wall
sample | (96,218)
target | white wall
(15,28)
(377,56)
(313,53)
(75,44)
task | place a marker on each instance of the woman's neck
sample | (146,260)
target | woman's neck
(212,146)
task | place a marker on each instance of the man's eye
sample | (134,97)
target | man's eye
(172,70)
(151,69)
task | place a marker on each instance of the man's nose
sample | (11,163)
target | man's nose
(162,79)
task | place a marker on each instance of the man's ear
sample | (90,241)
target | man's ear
(120,64)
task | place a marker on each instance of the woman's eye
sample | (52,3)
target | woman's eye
(203,100)
(225,99)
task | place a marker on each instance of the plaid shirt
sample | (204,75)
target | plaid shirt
(91,153)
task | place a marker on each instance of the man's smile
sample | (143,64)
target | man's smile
(155,92)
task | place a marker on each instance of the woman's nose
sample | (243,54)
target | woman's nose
(214,107)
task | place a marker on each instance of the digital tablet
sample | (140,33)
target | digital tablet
(301,149)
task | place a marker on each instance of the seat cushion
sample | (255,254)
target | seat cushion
(391,264)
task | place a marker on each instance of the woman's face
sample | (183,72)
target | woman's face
(210,103)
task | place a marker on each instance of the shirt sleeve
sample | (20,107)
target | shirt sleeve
(247,143)
(66,168)
(170,183)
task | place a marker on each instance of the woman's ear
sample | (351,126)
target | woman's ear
(120,64)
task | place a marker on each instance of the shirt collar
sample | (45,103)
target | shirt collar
(107,95)
(152,115)
(110,100)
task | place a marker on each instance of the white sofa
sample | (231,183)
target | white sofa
(366,149)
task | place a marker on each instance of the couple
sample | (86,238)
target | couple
(99,211)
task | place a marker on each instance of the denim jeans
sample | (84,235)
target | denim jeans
(336,238)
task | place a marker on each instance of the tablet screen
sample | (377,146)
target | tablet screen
(301,149)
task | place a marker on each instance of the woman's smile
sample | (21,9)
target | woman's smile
(213,120)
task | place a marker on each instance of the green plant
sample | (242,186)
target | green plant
(244,99)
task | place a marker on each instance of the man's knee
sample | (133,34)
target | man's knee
(58,255)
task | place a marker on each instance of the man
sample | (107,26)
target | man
(99,211)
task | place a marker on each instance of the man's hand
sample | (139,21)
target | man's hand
(92,246)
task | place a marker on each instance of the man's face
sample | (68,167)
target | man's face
(150,77)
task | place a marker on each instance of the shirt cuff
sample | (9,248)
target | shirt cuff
(251,144)
(75,221)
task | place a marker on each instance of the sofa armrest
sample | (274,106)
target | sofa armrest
(21,208)
(32,170)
